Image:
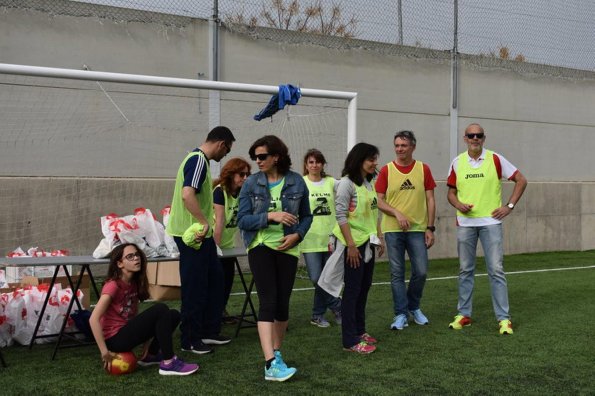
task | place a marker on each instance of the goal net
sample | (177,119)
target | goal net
(72,150)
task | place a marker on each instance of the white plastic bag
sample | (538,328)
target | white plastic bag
(103,249)
(16,313)
(170,244)
(110,240)
(51,322)
(5,334)
(151,229)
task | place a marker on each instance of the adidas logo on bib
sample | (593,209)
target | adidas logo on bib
(407,185)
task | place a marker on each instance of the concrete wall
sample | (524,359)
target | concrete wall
(57,180)
(545,125)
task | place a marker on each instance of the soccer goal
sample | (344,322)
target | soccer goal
(79,144)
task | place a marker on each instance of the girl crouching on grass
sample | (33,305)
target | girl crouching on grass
(116,325)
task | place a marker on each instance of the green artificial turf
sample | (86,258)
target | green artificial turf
(551,352)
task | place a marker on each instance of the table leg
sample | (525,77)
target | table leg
(247,302)
(43,307)
(84,267)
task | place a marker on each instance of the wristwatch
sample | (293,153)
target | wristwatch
(510,205)
(431,228)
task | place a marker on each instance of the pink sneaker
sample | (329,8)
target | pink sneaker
(368,339)
(362,348)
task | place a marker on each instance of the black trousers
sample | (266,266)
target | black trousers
(355,296)
(229,271)
(157,322)
(274,274)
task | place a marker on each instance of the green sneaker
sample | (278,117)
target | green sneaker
(460,322)
(505,326)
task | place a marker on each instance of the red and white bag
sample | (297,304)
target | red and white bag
(170,244)
(151,229)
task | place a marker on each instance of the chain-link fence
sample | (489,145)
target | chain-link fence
(556,32)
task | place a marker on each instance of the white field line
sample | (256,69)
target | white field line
(454,277)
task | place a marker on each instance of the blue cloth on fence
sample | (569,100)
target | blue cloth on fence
(287,95)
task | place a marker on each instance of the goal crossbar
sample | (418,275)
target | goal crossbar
(51,72)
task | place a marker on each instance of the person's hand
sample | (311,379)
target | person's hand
(200,236)
(464,208)
(353,256)
(289,241)
(501,212)
(380,247)
(429,239)
(284,218)
(107,358)
(403,221)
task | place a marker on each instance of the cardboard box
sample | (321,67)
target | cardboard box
(164,273)
(164,293)
(63,281)
(152,273)
(164,280)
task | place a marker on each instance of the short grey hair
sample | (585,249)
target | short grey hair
(407,135)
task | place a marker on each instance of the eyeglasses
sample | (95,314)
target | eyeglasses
(260,157)
(244,174)
(132,256)
(479,135)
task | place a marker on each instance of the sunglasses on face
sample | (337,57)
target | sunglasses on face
(132,256)
(244,174)
(479,135)
(260,157)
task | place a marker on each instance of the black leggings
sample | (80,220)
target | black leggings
(157,322)
(274,274)
(229,270)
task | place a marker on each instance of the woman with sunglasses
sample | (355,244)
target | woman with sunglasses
(225,201)
(315,244)
(357,223)
(274,216)
(118,327)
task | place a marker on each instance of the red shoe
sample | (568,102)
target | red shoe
(368,339)
(361,348)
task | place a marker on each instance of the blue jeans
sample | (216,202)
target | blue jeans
(414,243)
(322,300)
(491,242)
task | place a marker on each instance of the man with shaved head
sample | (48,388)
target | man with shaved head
(474,189)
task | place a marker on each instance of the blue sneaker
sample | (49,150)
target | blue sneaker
(279,359)
(399,323)
(320,321)
(419,317)
(278,372)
